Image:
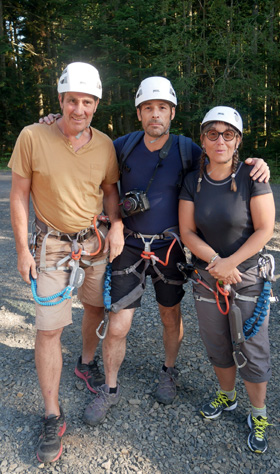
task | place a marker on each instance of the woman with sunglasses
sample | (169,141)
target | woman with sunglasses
(225,219)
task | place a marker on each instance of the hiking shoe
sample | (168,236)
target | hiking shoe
(166,390)
(50,446)
(257,440)
(221,403)
(96,411)
(90,374)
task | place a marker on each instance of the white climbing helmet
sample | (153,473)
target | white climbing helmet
(155,88)
(80,77)
(224,114)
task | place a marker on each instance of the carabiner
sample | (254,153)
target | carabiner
(104,323)
(236,361)
(33,243)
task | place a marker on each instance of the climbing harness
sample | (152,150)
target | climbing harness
(240,332)
(77,274)
(107,302)
(149,258)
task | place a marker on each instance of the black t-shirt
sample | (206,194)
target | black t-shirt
(222,217)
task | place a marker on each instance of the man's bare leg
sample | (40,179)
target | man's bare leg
(114,344)
(92,318)
(114,347)
(48,360)
(172,337)
(172,332)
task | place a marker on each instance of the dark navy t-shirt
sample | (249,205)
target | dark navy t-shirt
(163,192)
(222,217)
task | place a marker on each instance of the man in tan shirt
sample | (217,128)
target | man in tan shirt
(71,172)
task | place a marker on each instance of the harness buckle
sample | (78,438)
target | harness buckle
(147,247)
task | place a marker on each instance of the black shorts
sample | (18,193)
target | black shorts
(167,294)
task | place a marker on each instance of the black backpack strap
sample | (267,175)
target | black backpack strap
(185,148)
(133,139)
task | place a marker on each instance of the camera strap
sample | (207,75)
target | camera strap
(162,154)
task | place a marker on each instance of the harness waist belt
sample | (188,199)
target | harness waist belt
(64,236)
(166,234)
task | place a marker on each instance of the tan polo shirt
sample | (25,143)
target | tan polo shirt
(65,186)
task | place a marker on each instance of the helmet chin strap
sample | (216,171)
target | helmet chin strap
(164,133)
(80,133)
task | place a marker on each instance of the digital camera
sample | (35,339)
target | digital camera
(133,202)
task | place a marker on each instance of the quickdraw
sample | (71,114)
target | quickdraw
(107,302)
(77,274)
(252,325)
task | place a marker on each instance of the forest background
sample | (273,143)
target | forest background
(218,52)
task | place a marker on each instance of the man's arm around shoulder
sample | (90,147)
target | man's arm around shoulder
(260,171)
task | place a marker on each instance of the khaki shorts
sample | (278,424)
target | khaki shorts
(52,282)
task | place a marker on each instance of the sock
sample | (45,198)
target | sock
(164,368)
(258,411)
(230,394)
(113,389)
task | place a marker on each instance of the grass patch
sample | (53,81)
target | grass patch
(4,160)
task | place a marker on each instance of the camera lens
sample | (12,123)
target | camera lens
(129,204)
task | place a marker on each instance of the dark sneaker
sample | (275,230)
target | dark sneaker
(166,390)
(257,440)
(221,403)
(96,411)
(90,374)
(50,446)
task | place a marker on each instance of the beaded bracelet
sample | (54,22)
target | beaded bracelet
(212,259)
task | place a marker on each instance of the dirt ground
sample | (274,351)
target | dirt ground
(139,436)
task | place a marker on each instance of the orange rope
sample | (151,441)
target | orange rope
(77,256)
(223,292)
(147,255)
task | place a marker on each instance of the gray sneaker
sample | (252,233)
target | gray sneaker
(96,411)
(166,390)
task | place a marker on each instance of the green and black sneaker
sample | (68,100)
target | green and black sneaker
(257,440)
(212,410)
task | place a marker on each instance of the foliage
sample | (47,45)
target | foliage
(214,52)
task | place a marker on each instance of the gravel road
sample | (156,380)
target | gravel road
(139,436)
